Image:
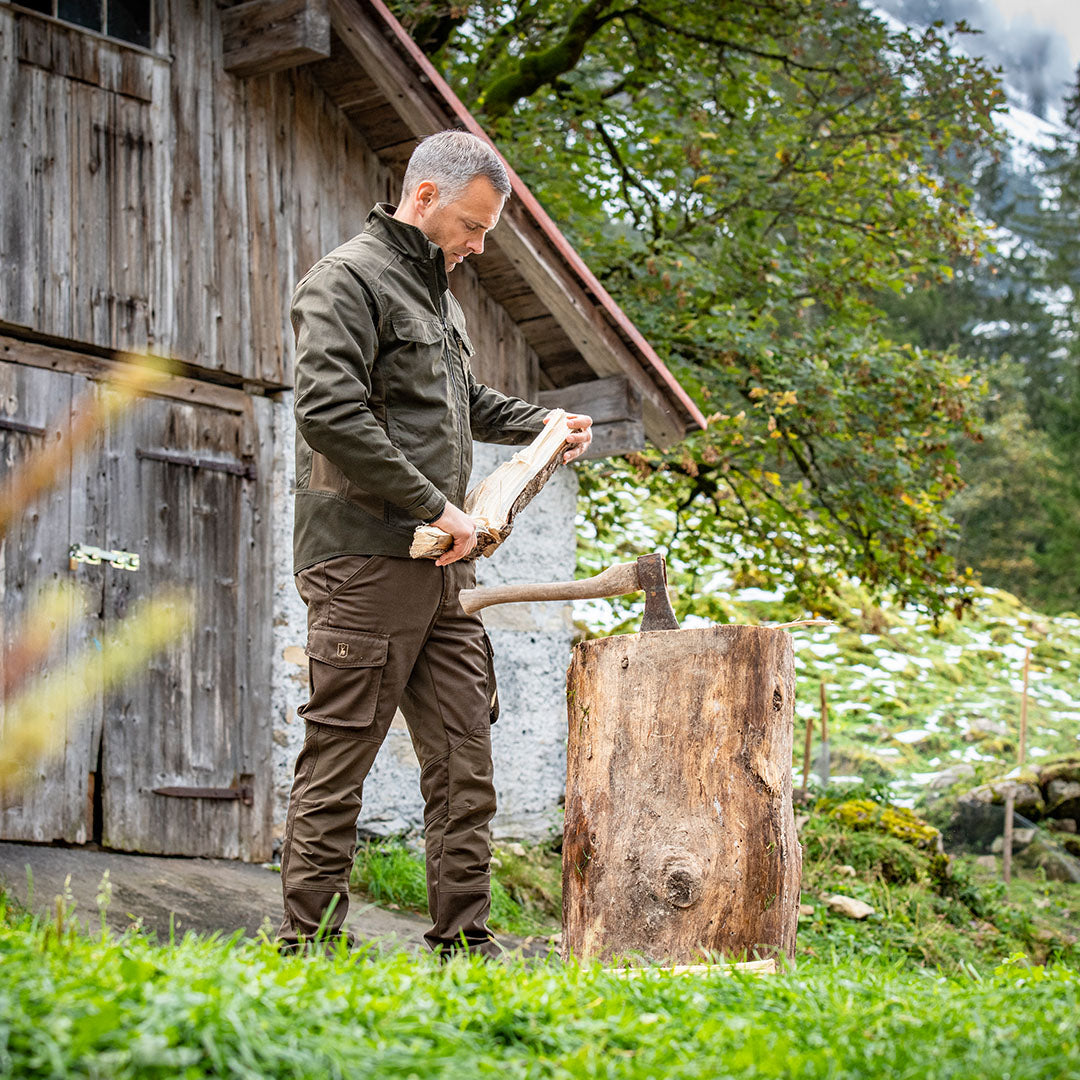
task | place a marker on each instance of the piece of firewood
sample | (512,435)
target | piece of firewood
(498,499)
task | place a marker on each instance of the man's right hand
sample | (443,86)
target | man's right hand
(462,528)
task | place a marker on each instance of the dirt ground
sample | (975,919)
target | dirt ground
(203,895)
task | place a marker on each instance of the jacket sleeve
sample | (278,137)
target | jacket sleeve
(334,318)
(496,418)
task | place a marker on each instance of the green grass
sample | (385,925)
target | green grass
(526,887)
(118,1008)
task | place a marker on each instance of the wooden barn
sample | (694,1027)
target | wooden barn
(169,169)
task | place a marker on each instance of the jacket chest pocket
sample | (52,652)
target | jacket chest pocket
(414,334)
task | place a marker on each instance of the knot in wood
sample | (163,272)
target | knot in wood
(682,883)
(624,663)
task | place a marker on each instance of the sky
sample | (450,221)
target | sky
(1062,17)
(1036,42)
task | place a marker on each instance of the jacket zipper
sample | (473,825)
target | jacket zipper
(449,359)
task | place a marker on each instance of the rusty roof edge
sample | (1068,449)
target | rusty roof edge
(588,279)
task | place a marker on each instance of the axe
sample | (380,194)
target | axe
(648,574)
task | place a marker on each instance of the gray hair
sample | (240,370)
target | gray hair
(452,160)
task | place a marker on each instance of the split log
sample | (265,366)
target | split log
(680,835)
(497,500)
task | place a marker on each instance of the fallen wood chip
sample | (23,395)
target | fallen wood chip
(500,497)
(753,967)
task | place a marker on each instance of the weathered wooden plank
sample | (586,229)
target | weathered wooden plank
(230,230)
(91,121)
(616,438)
(264,36)
(76,55)
(51,358)
(256,640)
(605,400)
(308,177)
(163,331)
(263,271)
(34,556)
(191,202)
(53,181)
(131,152)
(20,208)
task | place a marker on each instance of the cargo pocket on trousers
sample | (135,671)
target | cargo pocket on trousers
(492,688)
(346,673)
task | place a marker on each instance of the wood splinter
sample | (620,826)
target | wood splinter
(499,498)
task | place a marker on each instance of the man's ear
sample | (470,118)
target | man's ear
(425,197)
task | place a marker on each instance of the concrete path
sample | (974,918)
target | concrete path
(204,895)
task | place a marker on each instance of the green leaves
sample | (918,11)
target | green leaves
(746,179)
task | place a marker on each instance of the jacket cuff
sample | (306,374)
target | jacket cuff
(430,507)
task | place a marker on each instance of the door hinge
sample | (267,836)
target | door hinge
(244,793)
(94,556)
(245,469)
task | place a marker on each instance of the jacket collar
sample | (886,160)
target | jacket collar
(401,236)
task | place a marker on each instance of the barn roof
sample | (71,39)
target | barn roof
(389,89)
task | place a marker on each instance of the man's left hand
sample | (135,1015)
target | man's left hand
(580,435)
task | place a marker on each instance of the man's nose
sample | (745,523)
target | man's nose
(476,245)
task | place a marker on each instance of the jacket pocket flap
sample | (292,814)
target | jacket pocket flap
(466,343)
(412,328)
(347,648)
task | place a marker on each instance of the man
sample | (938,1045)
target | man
(386,411)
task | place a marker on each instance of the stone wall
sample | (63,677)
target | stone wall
(532,649)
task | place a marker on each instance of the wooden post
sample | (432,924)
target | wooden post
(1010,798)
(806,755)
(680,835)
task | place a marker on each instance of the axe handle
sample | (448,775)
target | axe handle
(615,581)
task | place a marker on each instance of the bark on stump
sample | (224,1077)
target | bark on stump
(680,835)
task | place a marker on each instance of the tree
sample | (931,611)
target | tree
(743,178)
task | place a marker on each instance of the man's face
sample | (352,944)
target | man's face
(459,227)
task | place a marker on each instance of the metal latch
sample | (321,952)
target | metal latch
(243,793)
(95,556)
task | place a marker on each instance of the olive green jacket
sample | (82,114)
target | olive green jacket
(386,404)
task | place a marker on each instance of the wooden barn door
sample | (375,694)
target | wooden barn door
(178,760)
(186,764)
(34,404)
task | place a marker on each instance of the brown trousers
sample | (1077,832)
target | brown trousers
(385,632)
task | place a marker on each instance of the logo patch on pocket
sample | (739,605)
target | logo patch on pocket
(343,649)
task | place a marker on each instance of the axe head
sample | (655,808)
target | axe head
(652,577)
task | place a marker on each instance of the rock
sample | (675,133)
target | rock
(989,861)
(806,909)
(952,775)
(1066,825)
(1021,839)
(1060,770)
(1056,864)
(983,726)
(1063,797)
(847,871)
(1027,797)
(512,847)
(849,906)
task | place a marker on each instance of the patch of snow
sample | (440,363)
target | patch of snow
(912,735)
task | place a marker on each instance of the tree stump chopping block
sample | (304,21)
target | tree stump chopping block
(680,835)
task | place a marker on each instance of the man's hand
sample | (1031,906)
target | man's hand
(462,528)
(580,435)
